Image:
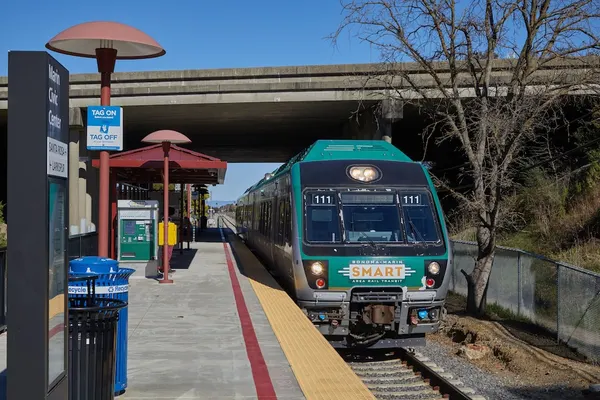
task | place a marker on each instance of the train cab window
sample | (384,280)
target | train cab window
(322,220)
(371,217)
(419,219)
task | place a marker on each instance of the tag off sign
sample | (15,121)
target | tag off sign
(105,128)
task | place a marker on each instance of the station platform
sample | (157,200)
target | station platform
(225,330)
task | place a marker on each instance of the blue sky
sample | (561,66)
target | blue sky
(197,34)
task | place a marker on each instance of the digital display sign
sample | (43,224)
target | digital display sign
(57,136)
(368,198)
(57,202)
(406,198)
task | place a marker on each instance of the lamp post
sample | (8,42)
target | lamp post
(166,137)
(106,42)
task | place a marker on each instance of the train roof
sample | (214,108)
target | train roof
(322,150)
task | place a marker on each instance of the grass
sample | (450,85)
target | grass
(567,234)
(494,309)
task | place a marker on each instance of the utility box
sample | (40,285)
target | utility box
(137,230)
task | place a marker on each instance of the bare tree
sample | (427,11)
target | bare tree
(492,72)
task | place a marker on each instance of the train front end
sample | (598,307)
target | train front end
(374,252)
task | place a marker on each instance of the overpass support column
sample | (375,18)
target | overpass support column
(361,126)
(388,111)
(374,123)
(76,127)
(85,179)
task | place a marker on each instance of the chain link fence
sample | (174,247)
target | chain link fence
(561,298)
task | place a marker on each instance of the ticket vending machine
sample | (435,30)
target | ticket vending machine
(137,230)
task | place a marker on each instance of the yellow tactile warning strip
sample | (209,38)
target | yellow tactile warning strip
(319,369)
(56,306)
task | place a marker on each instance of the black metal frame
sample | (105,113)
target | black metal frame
(78,246)
(29,127)
(3,286)
(82,245)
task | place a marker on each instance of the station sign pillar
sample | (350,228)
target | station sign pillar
(38,203)
(137,230)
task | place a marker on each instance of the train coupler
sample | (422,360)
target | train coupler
(378,314)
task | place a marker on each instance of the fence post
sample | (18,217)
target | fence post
(557,303)
(519,284)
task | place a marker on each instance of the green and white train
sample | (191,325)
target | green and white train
(354,231)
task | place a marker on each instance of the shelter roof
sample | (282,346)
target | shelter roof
(145,165)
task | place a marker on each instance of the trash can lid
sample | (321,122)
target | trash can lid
(93,264)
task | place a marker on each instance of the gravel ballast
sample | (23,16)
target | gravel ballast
(484,384)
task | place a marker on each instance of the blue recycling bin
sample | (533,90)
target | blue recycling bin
(112,282)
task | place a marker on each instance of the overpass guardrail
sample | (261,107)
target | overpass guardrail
(562,299)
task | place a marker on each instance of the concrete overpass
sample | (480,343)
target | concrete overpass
(258,114)
(253,114)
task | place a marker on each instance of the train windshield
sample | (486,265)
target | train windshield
(322,219)
(403,216)
(418,216)
(371,217)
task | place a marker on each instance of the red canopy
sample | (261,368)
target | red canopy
(145,165)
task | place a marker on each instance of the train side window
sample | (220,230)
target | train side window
(288,219)
(256,212)
(260,218)
(268,219)
(265,218)
(281,221)
(271,219)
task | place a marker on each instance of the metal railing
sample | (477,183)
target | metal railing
(3,289)
(561,298)
(82,245)
(78,246)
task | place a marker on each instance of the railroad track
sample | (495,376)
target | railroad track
(400,374)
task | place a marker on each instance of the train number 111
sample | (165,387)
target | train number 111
(322,199)
(416,199)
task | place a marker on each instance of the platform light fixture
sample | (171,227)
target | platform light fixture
(107,42)
(166,138)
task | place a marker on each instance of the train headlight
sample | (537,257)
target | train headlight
(364,174)
(433,268)
(369,174)
(355,173)
(317,268)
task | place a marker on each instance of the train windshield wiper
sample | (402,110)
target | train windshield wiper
(416,232)
(371,241)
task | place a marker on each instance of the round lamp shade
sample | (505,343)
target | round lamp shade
(166,136)
(82,41)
